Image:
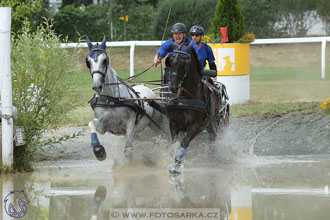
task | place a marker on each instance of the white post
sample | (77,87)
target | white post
(324,45)
(111,31)
(131,56)
(6,88)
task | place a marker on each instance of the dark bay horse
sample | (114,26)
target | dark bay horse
(197,102)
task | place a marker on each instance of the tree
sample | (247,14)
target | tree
(323,8)
(228,14)
(21,10)
(39,16)
(260,17)
(294,17)
(123,8)
(76,2)
(188,12)
(74,22)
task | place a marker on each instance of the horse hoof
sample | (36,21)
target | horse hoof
(100,153)
(129,152)
(175,168)
(100,194)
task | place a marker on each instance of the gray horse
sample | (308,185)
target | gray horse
(113,112)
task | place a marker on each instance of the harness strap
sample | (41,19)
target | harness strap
(189,104)
(112,102)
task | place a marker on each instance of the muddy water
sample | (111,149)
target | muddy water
(245,177)
(251,188)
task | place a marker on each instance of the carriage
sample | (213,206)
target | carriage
(192,101)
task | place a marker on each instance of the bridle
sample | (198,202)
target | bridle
(96,50)
(187,68)
(186,64)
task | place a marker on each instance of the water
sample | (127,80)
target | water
(248,188)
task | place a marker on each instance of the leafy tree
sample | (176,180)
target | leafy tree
(74,22)
(21,10)
(260,17)
(94,21)
(294,17)
(76,3)
(43,13)
(323,8)
(188,12)
(228,14)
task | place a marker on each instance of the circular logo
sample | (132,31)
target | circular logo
(114,214)
(16,208)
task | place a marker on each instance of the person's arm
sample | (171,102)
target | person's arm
(211,59)
(161,53)
(157,59)
(213,66)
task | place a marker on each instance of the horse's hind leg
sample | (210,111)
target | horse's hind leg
(98,149)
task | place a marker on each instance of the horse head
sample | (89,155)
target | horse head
(180,60)
(97,61)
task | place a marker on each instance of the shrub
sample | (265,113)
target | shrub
(41,71)
(325,106)
(206,39)
(247,38)
(228,14)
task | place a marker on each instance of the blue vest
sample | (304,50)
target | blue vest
(205,53)
(166,47)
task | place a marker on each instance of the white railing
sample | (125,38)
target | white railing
(132,45)
(322,40)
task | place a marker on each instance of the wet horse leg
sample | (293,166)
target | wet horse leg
(98,149)
(177,166)
(184,145)
(130,131)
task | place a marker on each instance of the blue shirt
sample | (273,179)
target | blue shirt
(166,47)
(203,55)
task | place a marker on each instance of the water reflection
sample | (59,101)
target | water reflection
(239,192)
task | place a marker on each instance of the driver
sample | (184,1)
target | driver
(179,31)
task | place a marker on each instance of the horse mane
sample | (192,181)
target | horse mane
(198,63)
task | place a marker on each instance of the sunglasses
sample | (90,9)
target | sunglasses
(195,35)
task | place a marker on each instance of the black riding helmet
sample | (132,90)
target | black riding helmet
(179,28)
(197,29)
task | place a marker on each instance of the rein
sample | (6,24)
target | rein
(187,92)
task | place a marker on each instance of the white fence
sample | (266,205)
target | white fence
(132,45)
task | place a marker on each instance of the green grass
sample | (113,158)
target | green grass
(280,90)
(259,74)
(275,88)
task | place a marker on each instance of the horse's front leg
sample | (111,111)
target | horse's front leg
(130,131)
(177,166)
(98,149)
